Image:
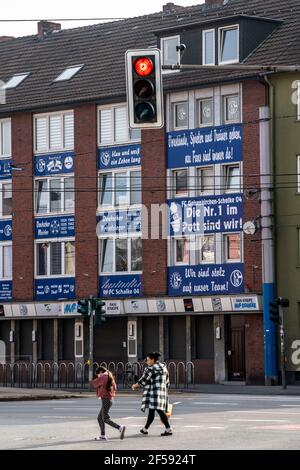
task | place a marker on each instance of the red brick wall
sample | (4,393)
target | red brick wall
(254,349)
(85,130)
(253,98)
(154,252)
(22,222)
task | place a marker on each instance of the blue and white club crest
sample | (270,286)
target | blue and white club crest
(54,227)
(41,165)
(236,278)
(105,158)
(68,162)
(176,280)
(54,165)
(7,230)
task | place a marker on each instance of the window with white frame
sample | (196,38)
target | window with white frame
(232,178)
(298,174)
(205,180)
(207,249)
(120,188)
(55,258)
(229,44)
(170,55)
(5,137)
(298,101)
(180,182)
(181,251)
(208,47)
(120,255)
(180,115)
(231,109)
(54,132)
(205,112)
(113,126)
(5,199)
(6,261)
(232,247)
(54,195)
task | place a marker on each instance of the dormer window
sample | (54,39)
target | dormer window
(229,45)
(14,81)
(68,73)
(208,47)
(170,55)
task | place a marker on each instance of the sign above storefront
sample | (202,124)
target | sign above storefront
(114,286)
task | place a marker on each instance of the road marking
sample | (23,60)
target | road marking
(264,412)
(214,403)
(65,417)
(290,405)
(262,420)
(177,403)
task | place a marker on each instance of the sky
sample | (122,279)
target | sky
(59,9)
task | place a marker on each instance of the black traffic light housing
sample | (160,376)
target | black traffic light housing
(144,88)
(99,306)
(83,306)
(274,310)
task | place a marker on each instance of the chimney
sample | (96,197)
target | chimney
(170,6)
(47,27)
(213,2)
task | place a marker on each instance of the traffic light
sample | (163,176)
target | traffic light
(274,310)
(144,88)
(99,307)
(83,306)
(284,302)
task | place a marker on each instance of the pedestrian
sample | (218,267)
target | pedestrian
(106,391)
(155,381)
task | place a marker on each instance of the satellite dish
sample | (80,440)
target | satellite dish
(249,227)
(251,193)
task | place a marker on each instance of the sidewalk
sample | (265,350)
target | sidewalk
(14,394)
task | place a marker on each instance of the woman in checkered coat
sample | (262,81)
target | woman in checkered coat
(155,382)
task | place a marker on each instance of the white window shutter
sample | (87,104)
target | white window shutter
(41,134)
(69,131)
(121,125)
(55,132)
(106,128)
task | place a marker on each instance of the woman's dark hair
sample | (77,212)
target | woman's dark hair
(154,355)
(110,380)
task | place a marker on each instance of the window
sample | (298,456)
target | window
(181,115)
(120,188)
(54,132)
(14,81)
(113,126)
(298,101)
(207,248)
(205,181)
(205,112)
(55,258)
(54,195)
(170,55)
(120,255)
(68,73)
(298,174)
(208,47)
(180,182)
(182,251)
(6,200)
(232,247)
(5,137)
(231,107)
(232,178)
(229,45)
(6,261)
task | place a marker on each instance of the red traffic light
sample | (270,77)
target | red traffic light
(143,66)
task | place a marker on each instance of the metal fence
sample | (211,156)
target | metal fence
(69,375)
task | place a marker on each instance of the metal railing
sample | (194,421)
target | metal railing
(70,375)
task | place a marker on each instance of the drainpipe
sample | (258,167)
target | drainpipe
(267,235)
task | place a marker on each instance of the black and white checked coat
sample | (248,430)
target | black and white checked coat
(155,381)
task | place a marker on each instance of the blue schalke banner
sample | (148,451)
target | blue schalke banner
(205,146)
(116,222)
(54,164)
(5,168)
(116,286)
(119,157)
(55,288)
(54,227)
(206,279)
(5,290)
(210,214)
(5,230)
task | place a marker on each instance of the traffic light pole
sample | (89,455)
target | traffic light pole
(91,338)
(282,348)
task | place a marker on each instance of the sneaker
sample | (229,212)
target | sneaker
(144,431)
(168,432)
(101,438)
(122,431)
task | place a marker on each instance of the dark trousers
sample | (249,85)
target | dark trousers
(103,416)
(162,416)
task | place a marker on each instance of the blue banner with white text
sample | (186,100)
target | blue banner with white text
(119,157)
(5,230)
(5,168)
(205,146)
(54,227)
(116,222)
(5,290)
(55,288)
(117,286)
(54,164)
(214,279)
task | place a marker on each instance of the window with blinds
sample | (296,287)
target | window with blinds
(6,261)
(54,132)
(113,126)
(5,137)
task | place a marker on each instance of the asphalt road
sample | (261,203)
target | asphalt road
(200,421)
